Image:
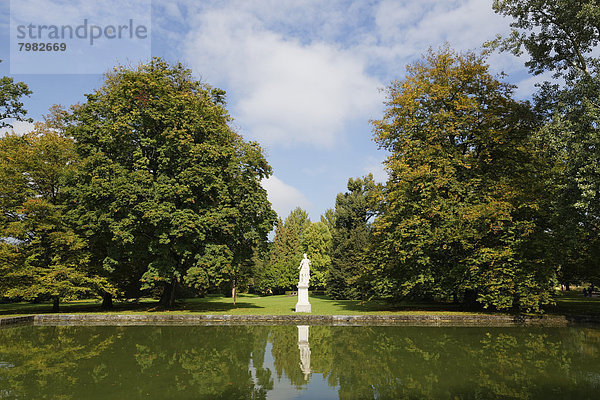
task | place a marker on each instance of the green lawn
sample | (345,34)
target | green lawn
(246,305)
(571,304)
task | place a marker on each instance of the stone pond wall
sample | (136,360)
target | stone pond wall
(334,320)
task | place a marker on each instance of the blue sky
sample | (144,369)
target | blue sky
(303,77)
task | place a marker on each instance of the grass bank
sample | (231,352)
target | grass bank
(571,303)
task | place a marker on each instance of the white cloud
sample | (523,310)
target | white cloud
(415,26)
(305,71)
(284,197)
(288,92)
(172,10)
(19,127)
(404,30)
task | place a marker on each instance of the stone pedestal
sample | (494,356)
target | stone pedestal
(302,305)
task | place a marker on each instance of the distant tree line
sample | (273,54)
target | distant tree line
(490,201)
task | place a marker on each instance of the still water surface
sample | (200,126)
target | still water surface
(289,362)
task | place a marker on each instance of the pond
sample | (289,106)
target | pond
(283,362)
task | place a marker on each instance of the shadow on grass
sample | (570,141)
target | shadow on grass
(189,305)
(574,303)
(382,306)
(206,306)
(74,308)
(567,304)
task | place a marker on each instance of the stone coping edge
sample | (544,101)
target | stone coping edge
(27,319)
(308,319)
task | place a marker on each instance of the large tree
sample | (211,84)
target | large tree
(268,277)
(348,276)
(570,142)
(282,271)
(42,257)
(562,37)
(459,213)
(316,243)
(167,193)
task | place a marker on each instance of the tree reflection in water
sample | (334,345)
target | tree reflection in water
(231,362)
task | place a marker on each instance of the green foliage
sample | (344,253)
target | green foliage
(167,193)
(262,279)
(558,35)
(561,36)
(459,215)
(297,221)
(348,276)
(329,219)
(281,273)
(570,142)
(10,101)
(316,243)
(270,275)
(41,255)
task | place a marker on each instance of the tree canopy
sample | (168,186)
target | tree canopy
(348,277)
(562,37)
(167,193)
(42,257)
(281,272)
(316,242)
(558,35)
(459,211)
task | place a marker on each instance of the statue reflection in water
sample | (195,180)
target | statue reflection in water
(304,350)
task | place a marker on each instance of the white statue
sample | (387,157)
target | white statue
(303,304)
(304,271)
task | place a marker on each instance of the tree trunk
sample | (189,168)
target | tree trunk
(568,287)
(167,299)
(470,299)
(107,303)
(172,297)
(234,291)
(55,307)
